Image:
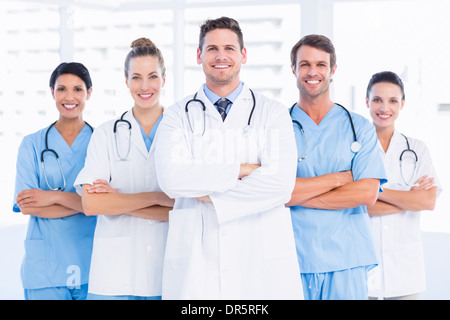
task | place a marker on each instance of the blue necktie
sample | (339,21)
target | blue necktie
(222,105)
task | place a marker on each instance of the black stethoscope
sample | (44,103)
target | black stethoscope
(416,158)
(47,149)
(186,109)
(354,147)
(128,123)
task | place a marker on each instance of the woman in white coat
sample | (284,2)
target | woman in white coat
(230,235)
(412,186)
(119,185)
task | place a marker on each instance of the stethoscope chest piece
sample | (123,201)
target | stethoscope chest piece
(355,146)
(247,131)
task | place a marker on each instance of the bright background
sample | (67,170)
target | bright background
(409,37)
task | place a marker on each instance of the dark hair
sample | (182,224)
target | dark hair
(386,76)
(316,41)
(144,47)
(75,68)
(220,23)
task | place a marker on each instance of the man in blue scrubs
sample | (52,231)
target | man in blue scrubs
(334,182)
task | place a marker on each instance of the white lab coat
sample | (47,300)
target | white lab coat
(397,236)
(128,251)
(242,245)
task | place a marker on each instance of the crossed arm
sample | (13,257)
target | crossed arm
(244,171)
(334,191)
(422,196)
(98,198)
(48,204)
(101,199)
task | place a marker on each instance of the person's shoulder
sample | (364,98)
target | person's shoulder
(37,135)
(109,124)
(416,142)
(357,116)
(268,102)
(359,119)
(178,106)
(34,140)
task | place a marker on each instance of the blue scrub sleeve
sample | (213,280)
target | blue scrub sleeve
(27,170)
(368,162)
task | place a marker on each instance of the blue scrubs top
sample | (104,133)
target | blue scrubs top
(55,249)
(148,139)
(332,240)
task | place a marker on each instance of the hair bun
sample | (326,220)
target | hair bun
(142,42)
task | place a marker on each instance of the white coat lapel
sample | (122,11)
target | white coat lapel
(240,110)
(241,107)
(211,110)
(136,135)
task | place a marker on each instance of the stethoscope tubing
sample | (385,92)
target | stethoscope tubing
(194,99)
(408,149)
(129,135)
(355,146)
(47,149)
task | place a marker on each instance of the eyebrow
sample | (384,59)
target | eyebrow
(308,61)
(64,86)
(138,74)
(380,97)
(216,46)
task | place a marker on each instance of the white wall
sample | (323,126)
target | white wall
(427,85)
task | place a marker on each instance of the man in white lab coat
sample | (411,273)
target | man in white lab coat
(230,169)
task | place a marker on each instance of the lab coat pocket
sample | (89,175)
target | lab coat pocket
(122,176)
(112,262)
(185,230)
(278,236)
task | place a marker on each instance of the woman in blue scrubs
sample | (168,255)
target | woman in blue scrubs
(59,238)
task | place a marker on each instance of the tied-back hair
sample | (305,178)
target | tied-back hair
(143,47)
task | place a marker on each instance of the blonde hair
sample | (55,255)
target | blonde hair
(144,47)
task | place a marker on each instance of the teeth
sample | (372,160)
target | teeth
(221,67)
(313,81)
(69,106)
(384,116)
(146,95)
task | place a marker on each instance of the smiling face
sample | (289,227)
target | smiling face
(385,102)
(313,71)
(145,81)
(221,58)
(70,94)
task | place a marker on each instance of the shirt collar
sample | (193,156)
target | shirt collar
(214,97)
